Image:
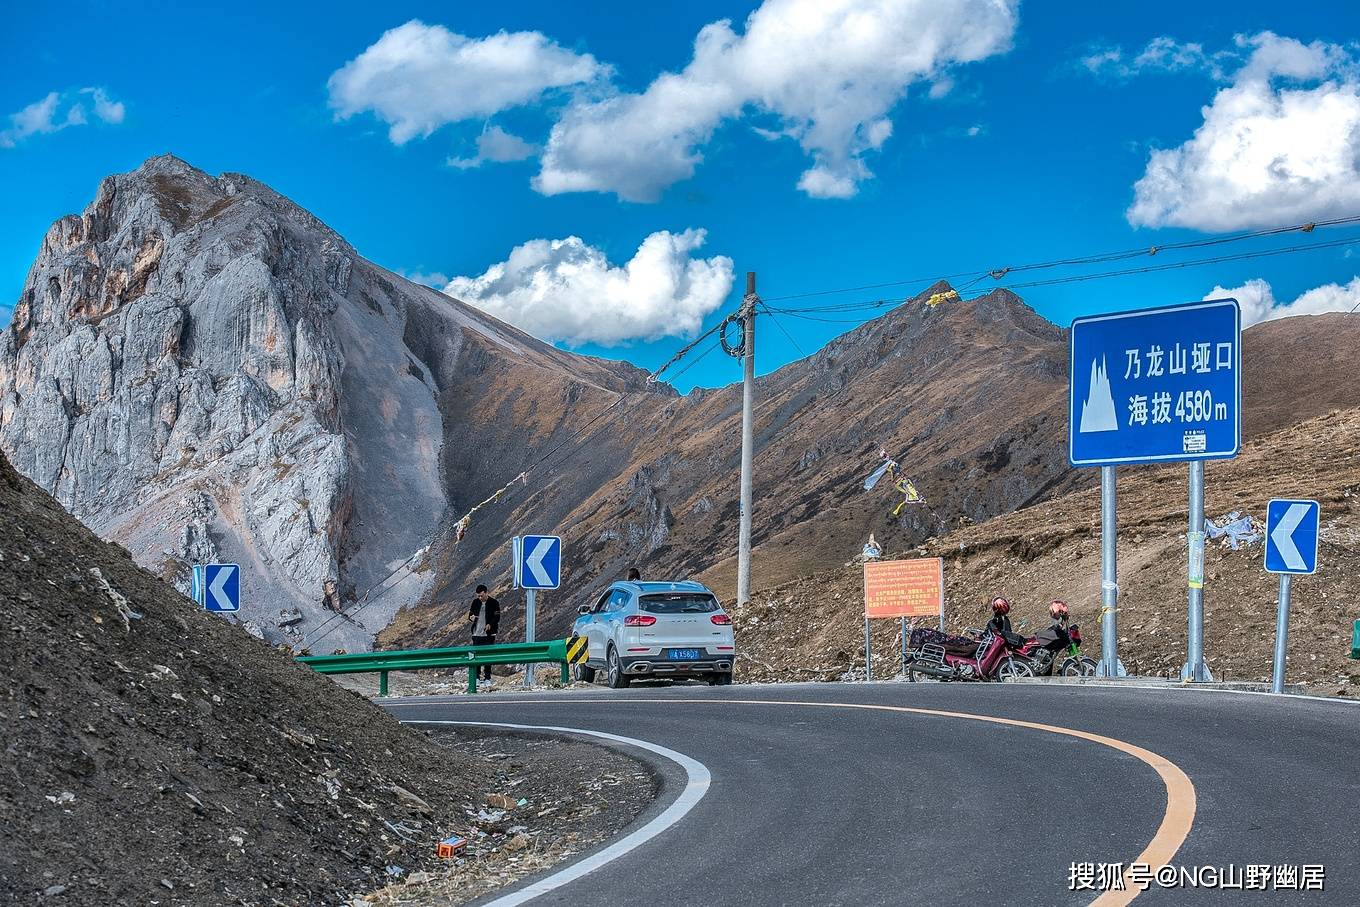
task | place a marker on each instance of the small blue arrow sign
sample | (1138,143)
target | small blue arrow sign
(222,588)
(538,562)
(1292,536)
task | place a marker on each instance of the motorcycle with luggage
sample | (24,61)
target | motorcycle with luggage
(987,655)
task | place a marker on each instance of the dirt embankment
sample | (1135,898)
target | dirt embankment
(156,755)
(813,628)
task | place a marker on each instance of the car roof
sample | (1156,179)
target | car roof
(648,587)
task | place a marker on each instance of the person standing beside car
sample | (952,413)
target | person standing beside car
(484,615)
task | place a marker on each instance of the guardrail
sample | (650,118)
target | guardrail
(470,657)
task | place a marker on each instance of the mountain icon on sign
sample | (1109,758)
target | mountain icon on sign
(1097,410)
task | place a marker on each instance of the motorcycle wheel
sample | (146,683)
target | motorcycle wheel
(1012,668)
(1080,667)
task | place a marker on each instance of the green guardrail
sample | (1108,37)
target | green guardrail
(1355,640)
(470,657)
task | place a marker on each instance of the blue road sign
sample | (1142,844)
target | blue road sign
(538,562)
(1292,536)
(220,588)
(1156,385)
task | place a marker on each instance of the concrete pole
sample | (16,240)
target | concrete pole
(748,394)
(1109,581)
(1195,669)
(1281,636)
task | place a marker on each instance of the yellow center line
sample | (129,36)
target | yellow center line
(1177,817)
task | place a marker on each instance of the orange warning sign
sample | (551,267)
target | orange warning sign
(910,588)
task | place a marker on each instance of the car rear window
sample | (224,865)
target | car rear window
(678,603)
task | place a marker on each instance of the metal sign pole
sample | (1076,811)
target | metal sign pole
(868,658)
(1281,636)
(530,604)
(1195,668)
(1109,582)
(904,644)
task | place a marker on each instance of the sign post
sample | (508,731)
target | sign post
(901,589)
(1291,550)
(1155,386)
(538,565)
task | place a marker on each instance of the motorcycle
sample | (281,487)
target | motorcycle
(1043,650)
(935,655)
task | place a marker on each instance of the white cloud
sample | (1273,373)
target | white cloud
(1258,302)
(831,71)
(1280,143)
(418,77)
(433,279)
(498,146)
(1161,54)
(59,110)
(563,289)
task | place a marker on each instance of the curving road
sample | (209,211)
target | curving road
(891,793)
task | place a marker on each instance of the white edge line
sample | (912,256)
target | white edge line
(696,786)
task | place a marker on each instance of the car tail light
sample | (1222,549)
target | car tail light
(721,620)
(639,620)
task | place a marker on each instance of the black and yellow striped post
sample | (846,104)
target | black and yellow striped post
(577,650)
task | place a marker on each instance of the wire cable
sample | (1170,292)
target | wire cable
(1098,258)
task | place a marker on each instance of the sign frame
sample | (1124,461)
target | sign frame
(1316,537)
(1074,387)
(204,589)
(524,548)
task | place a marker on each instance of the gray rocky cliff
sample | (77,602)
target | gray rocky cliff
(200,369)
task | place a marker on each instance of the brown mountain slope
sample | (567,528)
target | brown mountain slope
(135,725)
(813,627)
(1299,367)
(972,397)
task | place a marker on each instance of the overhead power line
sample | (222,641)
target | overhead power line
(997,273)
(811,313)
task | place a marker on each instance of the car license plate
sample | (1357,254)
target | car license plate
(684,654)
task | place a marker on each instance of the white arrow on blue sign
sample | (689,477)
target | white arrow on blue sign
(538,562)
(221,588)
(1292,536)
(1156,385)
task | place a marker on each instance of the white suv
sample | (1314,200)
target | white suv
(642,629)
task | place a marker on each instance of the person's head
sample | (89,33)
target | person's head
(1000,606)
(634,574)
(482,593)
(1057,609)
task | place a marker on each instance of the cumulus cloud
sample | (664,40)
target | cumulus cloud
(497,146)
(1281,142)
(829,71)
(1258,301)
(60,110)
(563,289)
(418,77)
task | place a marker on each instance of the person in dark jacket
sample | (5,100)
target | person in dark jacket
(484,615)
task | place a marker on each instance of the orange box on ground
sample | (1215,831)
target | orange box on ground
(908,588)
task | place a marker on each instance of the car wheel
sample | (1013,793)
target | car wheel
(615,677)
(582,673)
(720,679)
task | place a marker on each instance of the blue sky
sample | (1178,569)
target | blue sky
(1019,137)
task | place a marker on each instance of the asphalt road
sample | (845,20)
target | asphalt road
(812,802)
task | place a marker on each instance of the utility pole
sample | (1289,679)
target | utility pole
(748,394)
